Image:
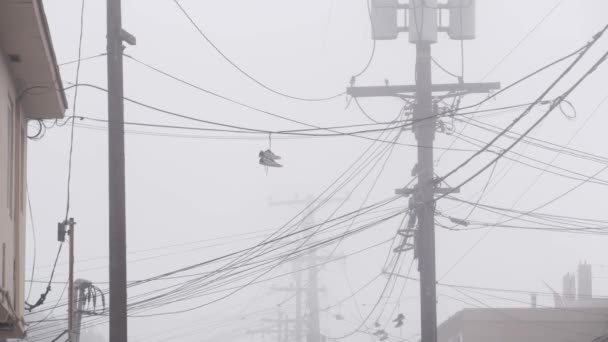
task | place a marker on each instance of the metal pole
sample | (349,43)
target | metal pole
(116,164)
(425,210)
(71,296)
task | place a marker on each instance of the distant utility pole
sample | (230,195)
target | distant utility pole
(298,316)
(80,299)
(314,324)
(298,289)
(67,228)
(282,330)
(116,165)
(312,287)
(423,23)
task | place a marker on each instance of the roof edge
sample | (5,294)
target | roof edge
(49,41)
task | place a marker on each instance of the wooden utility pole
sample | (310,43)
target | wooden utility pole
(116,167)
(71,225)
(424,130)
(423,29)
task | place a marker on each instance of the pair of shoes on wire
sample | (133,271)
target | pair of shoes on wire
(268,158)
(399,320)
(381,334)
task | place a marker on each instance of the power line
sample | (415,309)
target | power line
(519,43)
(506,221)
(524,38)
(537,122)
(356,252)
(373,52)
(83,59)
(504,151)
(42,298)
(69,181)
(33,226)
(480,143)
(261,131)
(246,74)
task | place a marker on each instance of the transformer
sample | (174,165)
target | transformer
(384,19)
(462,19)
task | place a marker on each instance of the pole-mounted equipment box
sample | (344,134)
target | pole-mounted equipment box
(462,19)
(384,19)
(422,21)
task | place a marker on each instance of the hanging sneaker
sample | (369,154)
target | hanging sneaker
(269,154)
(269,162)
(399,320)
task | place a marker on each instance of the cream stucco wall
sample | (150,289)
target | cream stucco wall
(12,204)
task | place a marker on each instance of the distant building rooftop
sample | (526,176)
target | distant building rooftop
(581,324)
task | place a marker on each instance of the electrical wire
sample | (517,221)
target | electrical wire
(33,226)
(245,73)
(470,249)
(538,121)
(69,180)
(359,251)
(84,59)
(370,146)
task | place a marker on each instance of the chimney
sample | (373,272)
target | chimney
(569,287)
(585,289)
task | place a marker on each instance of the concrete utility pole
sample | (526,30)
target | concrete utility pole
(116,165)
(423,28)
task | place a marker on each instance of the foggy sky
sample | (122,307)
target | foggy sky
(182,189)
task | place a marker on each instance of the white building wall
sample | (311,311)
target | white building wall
(12,201)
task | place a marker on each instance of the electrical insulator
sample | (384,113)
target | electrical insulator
(384,19)
(462,19)
(422,21)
